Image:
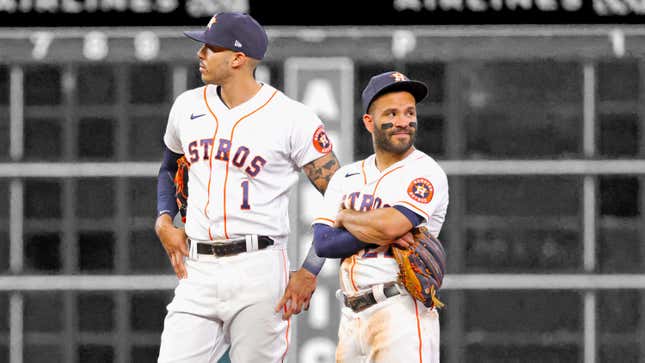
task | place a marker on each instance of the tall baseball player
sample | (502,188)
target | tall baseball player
(245,142)
(383,197)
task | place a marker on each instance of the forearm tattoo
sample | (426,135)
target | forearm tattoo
(321,170)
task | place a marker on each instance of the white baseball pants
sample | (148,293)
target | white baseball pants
(228,301)
(399,329)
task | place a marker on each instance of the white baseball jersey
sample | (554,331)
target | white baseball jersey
(243,160)
(417,183)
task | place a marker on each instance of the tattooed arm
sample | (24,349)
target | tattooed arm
(302,283)
(321,170)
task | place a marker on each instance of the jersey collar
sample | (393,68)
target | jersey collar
(372,171)
(249,105)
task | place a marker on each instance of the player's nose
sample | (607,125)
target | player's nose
(200,52)
(402,121)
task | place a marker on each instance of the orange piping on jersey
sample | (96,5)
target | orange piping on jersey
(351,273)
(363,171)
(210,160)
(416,310)
(325,219)
(379,181)
(417,208)
(229,161)
(286,281)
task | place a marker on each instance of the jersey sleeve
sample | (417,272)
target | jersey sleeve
(309,141)
(327,211)
(421,191)
(171,137)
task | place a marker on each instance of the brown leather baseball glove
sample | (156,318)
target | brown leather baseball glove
(422,266)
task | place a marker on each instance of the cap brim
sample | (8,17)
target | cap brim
(418,90)
(198,35)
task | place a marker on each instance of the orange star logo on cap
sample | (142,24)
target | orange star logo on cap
(213,21)
(399,77)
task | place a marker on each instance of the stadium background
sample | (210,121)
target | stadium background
(536,112)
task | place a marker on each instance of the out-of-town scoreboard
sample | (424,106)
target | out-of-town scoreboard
(149,30)
(92,13)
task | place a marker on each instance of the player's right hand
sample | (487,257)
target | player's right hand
(173,240)
(404,241)
(297,294)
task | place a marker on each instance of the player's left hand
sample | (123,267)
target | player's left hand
(297,295)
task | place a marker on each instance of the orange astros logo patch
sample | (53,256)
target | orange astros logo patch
(421,190)
(321,141)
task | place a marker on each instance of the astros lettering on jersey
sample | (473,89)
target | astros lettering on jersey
(417,183)
(243,160)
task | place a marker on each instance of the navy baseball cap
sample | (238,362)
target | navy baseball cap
(235,31)
(392,82)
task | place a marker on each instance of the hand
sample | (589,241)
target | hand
(404,241)
(297,295)
(173,240)
(342,212)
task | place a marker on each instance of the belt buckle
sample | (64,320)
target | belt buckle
(358,303)
(369,298)
(213,247)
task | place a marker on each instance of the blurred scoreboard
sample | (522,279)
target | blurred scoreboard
(151,30)
(93,13)
(107,45)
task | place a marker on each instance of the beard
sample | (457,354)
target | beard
(383,140)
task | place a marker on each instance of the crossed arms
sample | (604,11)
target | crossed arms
(355,230)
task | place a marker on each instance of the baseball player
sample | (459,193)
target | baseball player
(245,142)
(382,198)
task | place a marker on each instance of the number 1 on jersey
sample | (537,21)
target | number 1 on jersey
(245,195)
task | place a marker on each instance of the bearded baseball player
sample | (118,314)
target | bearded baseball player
(245,143)
(383,198)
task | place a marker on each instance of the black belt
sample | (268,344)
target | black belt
(364,301)
(230,247)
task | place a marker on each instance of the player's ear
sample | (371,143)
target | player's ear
(239,60)
(368,121)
